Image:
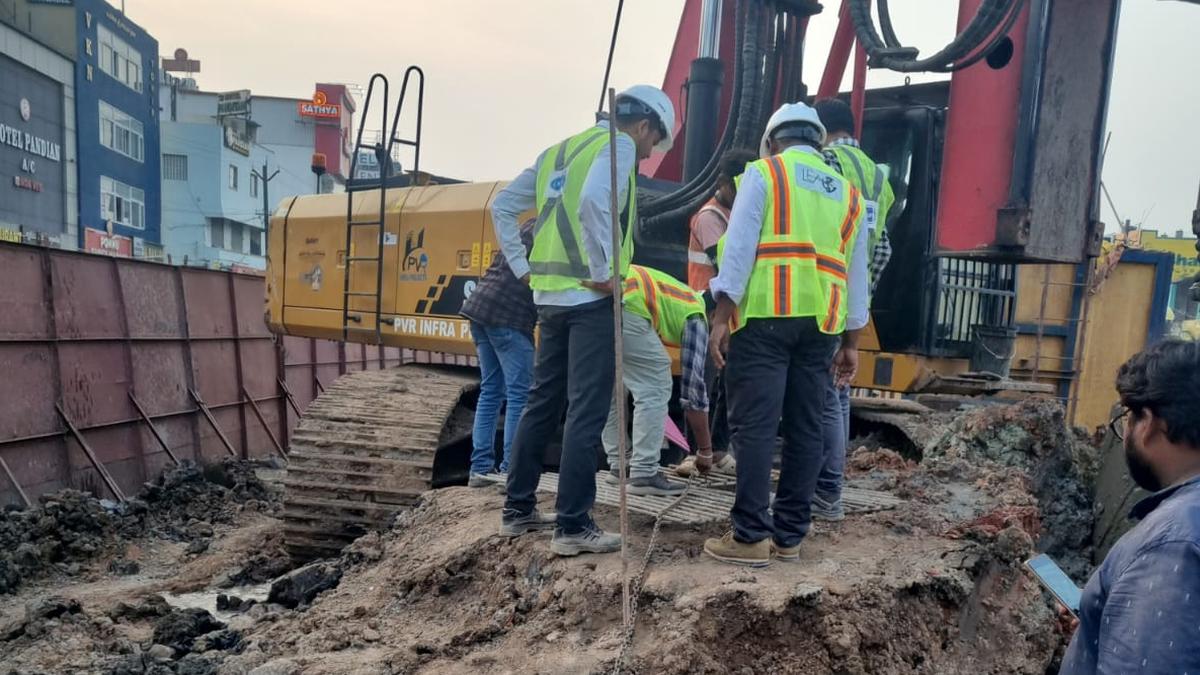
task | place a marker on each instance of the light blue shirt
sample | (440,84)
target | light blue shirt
(741,250)
(594,218)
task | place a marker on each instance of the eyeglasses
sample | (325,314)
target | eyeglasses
(1117,423)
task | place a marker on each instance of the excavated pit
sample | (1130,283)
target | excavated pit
(932,586)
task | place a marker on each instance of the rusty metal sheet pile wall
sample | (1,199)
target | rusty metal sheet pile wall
(100,336)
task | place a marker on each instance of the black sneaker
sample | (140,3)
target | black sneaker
(656,485)
(612,477)
(515,526)
(590,540)
(478,480)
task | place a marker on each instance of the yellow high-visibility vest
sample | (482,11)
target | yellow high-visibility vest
(558,260)
(811,220)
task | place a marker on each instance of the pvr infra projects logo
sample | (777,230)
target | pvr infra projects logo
(415,264)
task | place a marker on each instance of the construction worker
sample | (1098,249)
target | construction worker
(658,311)
(570,272)
(707,227)
(844,155)
(793,282)
(502,316)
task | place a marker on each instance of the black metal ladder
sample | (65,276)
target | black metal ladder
(352,319)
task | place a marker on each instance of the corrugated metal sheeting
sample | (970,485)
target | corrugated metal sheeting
(85,340)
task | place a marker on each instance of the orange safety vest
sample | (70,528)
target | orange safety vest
(700,267)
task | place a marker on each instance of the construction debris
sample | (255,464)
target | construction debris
(932,584)
(68,527)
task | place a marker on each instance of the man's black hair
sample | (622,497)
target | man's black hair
(1165,379)
(734,161)
(836,115)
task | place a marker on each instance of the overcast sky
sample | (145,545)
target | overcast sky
(509,77)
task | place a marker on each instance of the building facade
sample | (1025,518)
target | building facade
(216,150)
(111,138)
(38,180)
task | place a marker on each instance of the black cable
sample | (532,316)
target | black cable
(656,211)
(987,28)
(612,47)
(674,209)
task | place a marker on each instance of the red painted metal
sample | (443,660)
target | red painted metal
(981,131)
(839,54)
(669,166)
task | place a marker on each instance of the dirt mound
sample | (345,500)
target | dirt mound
(68,528)
(1051,461)
(442,593)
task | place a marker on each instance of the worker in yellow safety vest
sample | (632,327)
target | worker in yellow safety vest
(658,311)
(843,153)
(791,288)
(570,270)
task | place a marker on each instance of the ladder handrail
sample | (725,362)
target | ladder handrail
(415,142)
(353,186)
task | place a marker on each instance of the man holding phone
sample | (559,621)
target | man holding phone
(1140,612)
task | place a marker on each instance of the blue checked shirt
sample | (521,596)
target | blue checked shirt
(1140,612)
(693,394)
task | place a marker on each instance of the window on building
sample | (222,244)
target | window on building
(174,167)
(253,185)
(233,177)
(122,204)
(121,133)
(256,247)
(216,233)
(119,60)
(236,242)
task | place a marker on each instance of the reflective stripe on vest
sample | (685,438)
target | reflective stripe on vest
(868,177)
(558,261)
(663,300)
(700,267)
(811,219)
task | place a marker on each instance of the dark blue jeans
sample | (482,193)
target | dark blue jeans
(574,368)
(835,421)
(777,374)
(506,371)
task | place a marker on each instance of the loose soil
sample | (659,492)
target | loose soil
(934,586)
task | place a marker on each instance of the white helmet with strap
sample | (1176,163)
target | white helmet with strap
(655,101)
(791,114)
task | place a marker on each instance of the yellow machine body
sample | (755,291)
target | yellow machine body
(437,241)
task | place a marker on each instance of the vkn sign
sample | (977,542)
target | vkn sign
(320,106)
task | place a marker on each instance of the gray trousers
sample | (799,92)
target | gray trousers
(648,378)
(777,374)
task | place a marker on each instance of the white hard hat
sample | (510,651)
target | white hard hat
(790,113)
(656,100)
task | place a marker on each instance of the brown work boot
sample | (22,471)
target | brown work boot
(729,550)
(785,553)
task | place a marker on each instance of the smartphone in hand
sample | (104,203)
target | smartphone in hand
(1056,581)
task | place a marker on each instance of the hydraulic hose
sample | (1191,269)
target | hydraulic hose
(984,32)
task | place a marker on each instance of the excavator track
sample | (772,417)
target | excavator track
(365,450)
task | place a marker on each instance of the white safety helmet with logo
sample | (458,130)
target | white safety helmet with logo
(655,101)
(791,115)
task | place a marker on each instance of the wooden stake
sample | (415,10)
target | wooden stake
(618,289)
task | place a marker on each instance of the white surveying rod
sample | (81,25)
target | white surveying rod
(618,290)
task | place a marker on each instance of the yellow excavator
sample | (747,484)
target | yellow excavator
(972,162)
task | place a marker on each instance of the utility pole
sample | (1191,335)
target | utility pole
(265,179)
